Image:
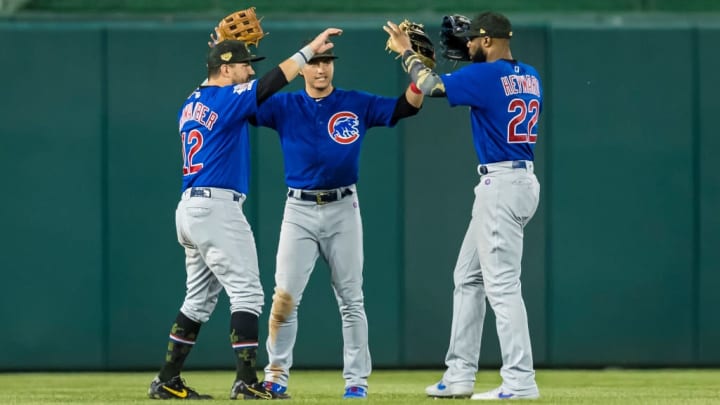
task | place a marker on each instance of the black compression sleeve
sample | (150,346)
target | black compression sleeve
(403,109)
(270,83)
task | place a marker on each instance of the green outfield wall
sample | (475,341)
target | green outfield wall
(621,264)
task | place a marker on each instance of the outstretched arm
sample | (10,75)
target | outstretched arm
(286,71)
(425,78)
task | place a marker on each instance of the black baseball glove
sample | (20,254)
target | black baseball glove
(454,47)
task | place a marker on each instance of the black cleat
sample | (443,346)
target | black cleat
(241,390)
(173,389)
(259,390)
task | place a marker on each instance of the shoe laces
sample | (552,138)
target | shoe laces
(179,382)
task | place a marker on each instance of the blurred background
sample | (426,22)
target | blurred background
(619,268)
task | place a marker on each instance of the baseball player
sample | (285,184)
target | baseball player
(219,244)
(321,131)
(505,99)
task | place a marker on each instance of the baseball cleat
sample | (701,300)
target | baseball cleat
(355,391)
(500,393)
(260,390)
(449,390)
(175,388)
(240,390)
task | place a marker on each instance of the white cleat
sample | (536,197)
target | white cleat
(449,390)
(499,393)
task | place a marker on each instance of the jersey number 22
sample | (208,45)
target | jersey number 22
(517,132)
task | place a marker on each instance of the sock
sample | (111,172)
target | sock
(244,340)
(183,335)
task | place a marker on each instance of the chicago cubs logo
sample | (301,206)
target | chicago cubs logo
(343,127)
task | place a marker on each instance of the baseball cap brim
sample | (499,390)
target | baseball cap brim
(231,51)
(249,59)
(255,58)
(322,57)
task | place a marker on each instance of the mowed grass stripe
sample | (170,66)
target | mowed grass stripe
(386,387)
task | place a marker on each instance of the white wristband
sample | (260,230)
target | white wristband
(307,53)
(299,59)
(302,56)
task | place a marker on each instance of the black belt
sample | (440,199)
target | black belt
(321,197)
(207,193)
(516,164)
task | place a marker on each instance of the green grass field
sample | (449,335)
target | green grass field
(386,387)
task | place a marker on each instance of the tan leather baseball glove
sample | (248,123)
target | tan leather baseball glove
(242,25)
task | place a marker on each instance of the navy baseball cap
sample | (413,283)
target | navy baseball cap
(489,24)
(322,55)
(230,51)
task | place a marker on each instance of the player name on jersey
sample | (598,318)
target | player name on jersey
(516,84)
(198,112)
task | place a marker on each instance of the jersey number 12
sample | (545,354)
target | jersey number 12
(517,132)
(193,140)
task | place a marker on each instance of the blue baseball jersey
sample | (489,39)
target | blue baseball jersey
(505,99)
(215,138)
(321,139)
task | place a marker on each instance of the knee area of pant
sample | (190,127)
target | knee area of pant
(509,285)
(498,290)
(471,279)
(352,308)
(350,296)
(282,306)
